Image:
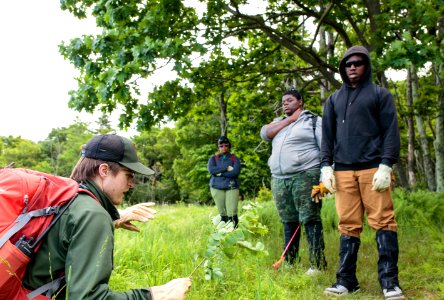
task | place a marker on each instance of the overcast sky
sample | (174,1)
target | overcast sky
(34,77)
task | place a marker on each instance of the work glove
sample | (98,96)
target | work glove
(382,178)
(229,168)
(173,290)
(141,212)
(318,192)
(328,178)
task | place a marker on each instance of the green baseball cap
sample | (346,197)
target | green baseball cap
(115,148)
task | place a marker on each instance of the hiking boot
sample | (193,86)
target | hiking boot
(312,272)
(394,293)
(338,290)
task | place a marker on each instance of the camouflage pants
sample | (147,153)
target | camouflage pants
(295,207)
(293,197)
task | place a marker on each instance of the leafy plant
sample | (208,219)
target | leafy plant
(226,241)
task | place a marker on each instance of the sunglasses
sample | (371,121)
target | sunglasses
(224,145)
(356,63)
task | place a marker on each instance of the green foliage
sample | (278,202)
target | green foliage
(166,249)
(227,241)
(233,59)
(420,207)
(63,147)
(21,152)
(264,195)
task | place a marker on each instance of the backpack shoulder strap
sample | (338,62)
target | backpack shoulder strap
(314,119)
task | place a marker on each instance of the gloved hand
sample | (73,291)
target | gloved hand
(229,168)
(328,178)
(318,192)
(140,212)
(382,178)
(173,290)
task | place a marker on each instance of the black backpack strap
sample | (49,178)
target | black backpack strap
(314,119)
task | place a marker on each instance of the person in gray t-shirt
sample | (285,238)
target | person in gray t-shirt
(294,164)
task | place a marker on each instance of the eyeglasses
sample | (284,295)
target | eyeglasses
(224,145)
(356,63)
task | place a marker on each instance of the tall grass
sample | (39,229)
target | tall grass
(174,243)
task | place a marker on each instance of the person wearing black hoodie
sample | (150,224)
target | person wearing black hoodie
(360,144)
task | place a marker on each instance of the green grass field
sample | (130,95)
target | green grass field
(174,243)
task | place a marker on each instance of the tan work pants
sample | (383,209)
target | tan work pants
(354,195)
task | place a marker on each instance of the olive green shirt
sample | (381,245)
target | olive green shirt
(80,246)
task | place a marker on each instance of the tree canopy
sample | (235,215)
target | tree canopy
(233,60)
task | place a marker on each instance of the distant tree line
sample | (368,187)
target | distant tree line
(233,60)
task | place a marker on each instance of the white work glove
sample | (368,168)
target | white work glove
(141,212)
(328,178)
(229,168)
(173,290)
(382,178)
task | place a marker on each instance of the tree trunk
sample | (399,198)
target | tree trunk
(429,168)
(323,53)
(222,103)
(410,133)
(439,125)
(400,175)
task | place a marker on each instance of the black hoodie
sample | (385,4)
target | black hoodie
(359,125)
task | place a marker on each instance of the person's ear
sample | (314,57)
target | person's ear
(103,170)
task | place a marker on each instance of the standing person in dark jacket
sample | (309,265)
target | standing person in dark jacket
(294,164)
(81,244)
(224,183)
(360,143)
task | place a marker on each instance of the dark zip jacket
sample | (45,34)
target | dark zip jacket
(222,179)
(359,125)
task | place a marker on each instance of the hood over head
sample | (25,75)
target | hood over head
(356,50)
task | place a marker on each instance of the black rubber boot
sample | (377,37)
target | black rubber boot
(315,239)
(387,243)
(291,256)
(234,219)
(348,255)
(224,219)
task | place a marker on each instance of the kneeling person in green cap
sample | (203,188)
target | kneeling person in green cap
(80,245)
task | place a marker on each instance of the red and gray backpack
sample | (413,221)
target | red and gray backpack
(31,202)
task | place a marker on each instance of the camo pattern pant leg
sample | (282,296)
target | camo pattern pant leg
(294,205)
(293,197)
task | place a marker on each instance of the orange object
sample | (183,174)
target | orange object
(277,264)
